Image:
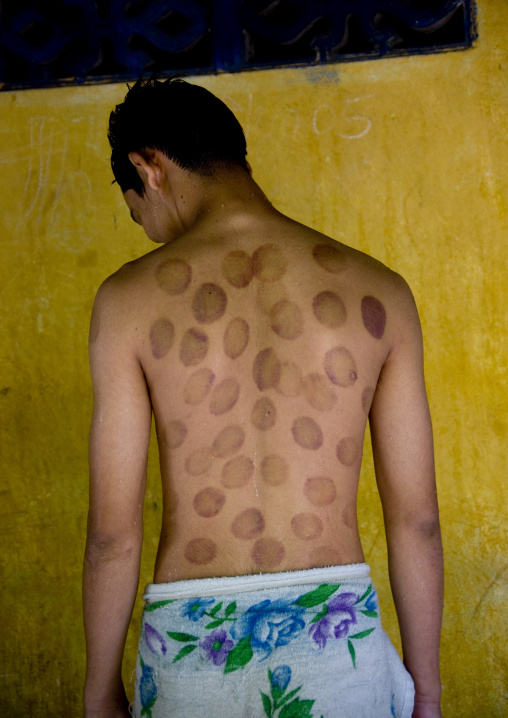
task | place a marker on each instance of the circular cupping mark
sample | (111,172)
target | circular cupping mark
(274,470)
(173,276)
(208,502)
(286,319)
(307,526)
(340,366)
(228,441)
(209,303)
(269,263)
(248,524)
(319,490)
(236,337)
(318,392)
(266,369)
(237,472)
(264,414)
(329,309)
(237,269)
(200,551)
(325,556)
(374,316)
(194,347)
(331,259)
(224,396)
(197,386)
(176,433)
(307,433)
(162,336)
(347,451)
(267,553)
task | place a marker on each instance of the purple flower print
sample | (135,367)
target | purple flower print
(217,646)
(154,640)
(337,622)
(195,608)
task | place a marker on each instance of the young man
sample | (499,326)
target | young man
(261,347)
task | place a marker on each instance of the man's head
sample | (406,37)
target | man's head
(192,127)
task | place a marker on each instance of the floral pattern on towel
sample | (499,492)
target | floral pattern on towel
(280,704)
(231,640)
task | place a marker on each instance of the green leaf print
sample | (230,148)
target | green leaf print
(267,704)
(370,614)
(230,609)
(319,595)
(367,592)
(184,652)
(362,634)
(287,698)
(352,652)
(215,609)
(157,604)
(322,613)
(183,637)
(297,709)
(239,656)
(215,624)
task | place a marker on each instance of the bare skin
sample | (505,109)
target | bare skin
(262,348)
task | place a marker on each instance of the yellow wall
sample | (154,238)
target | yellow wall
(404,158)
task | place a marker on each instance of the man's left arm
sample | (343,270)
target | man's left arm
(119,439)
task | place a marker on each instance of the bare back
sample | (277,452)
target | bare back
(261,349)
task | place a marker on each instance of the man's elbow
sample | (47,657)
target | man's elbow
(105,547)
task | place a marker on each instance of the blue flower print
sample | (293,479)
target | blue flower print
(217,646)
(341,615)
(147,687)
(270,624)
(154,640)
(196,608)
(281,677)
(371,603)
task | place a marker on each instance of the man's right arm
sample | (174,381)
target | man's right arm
(403,454)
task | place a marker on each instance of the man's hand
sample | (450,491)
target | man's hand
(426,710)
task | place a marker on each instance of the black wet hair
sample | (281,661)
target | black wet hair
(186,122)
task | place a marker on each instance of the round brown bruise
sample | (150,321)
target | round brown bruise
(268,294)
(194,347)
(249,524)
(318,392)
(329,309)
(200,551)
(237,269)
(237,472)
(274,470)
(197,386)
(173,275)
(209,303)
(367,396)
(347,451)
(269,263)
(264,414)
(286,319)
(176,433)
(307,433)
(325,556)
(208,502)
(266,369)
(331,259)
(374,316)
(307,526)
(228,441)
(319,490)
(267,553)
(340,366)
(236,337)
(199,461)
(162,336)
(290,380)
(224,396)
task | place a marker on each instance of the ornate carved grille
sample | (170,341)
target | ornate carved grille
(54,42)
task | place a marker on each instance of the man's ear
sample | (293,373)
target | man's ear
(148,166)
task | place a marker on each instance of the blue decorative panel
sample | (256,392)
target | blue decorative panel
(53,42)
